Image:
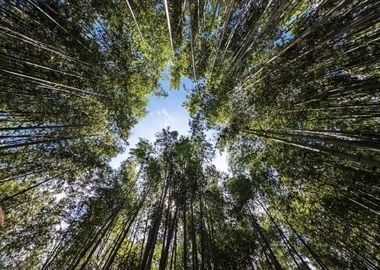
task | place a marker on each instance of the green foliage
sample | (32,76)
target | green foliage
(290,86)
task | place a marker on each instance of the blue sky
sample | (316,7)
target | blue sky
(166,112)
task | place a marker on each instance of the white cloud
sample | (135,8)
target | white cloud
(165,117)
(221,161)
(60,196)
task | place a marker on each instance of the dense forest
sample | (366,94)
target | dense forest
(291,88)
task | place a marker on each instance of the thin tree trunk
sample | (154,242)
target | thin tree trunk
(273,258)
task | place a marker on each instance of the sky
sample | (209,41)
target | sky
(166,112)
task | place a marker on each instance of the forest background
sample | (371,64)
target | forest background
(289,88)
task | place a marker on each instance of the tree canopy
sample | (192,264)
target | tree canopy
(290,87)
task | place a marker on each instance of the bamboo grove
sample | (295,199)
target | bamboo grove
(291,87)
